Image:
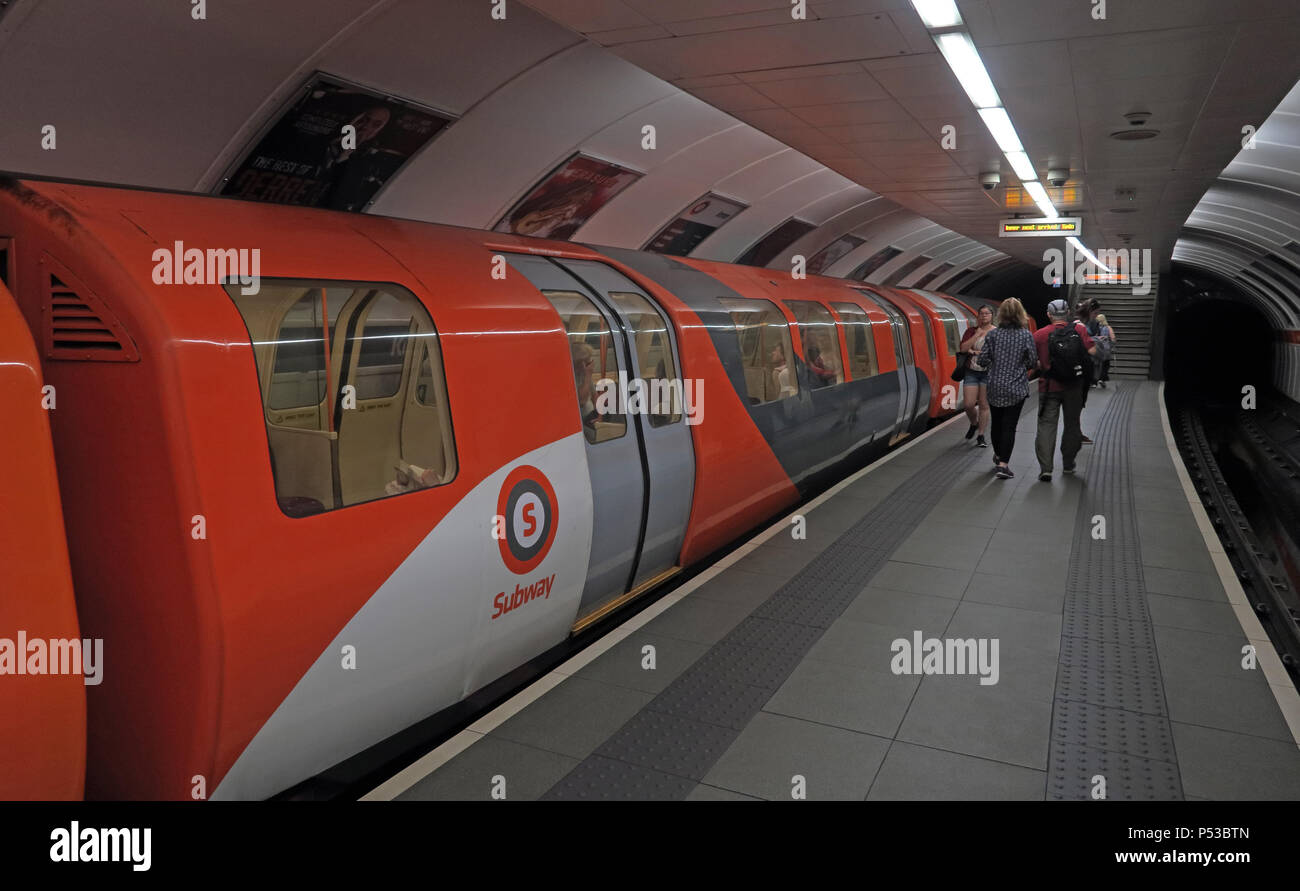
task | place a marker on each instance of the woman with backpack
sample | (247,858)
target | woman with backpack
(1105,338)
(1009,355)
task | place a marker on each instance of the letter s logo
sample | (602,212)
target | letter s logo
(527,504)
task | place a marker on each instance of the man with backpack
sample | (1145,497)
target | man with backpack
(1065,352)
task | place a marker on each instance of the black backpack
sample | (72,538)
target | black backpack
(1066,355)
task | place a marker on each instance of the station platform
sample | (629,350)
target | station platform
(1121,672)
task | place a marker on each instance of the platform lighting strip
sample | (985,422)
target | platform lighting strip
(946,27)
(1078,246)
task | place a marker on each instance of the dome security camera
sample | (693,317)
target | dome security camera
(1057,176)
(990,180)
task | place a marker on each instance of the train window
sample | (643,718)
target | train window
(654,352)
(950,329)
(862,345)
(382,352)
(929,334)
(821,343)
(349,416)
(595,365)
(298,372)
(764,339)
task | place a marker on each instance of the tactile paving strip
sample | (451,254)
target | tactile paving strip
(669,746)
(1109,717)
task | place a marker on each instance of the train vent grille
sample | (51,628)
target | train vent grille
(78,328)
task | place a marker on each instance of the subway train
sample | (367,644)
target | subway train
(299,479)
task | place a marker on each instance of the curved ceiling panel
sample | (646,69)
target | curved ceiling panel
(526,93)
(1247,226)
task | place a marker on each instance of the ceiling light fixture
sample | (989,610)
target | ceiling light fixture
(1078,246)
(1004,132)
(937,13)
(944,22)
(1039,194)
(1023,167)
(964,60)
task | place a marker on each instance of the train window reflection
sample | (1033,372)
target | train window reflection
(949,329)
(765,351)
(349,416)
(858,335)
(654,352)
(821,343)
(595,365)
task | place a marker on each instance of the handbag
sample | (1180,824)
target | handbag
(963,362)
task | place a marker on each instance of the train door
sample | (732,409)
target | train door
(636,467)
(908,389)
(668,455)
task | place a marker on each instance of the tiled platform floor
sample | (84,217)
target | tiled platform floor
(990,559)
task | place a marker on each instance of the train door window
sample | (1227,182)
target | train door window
(929,334)
(654,352)
(350,415)
(899,323)
(764,339)
(821,344)
(595,365)
(950,329)
(858,335)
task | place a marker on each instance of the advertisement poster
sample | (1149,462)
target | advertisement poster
(558,206)
(766,249)
(826,257)
(874,262)
(693,225)
(307,158)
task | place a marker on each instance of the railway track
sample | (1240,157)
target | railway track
(1261,569)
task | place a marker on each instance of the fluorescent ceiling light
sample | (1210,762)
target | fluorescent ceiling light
(965,62)
(937,13)
(1023,167)
(1078,246)
(1039,194)
(1004,132)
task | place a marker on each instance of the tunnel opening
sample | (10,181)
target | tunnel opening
(1213,345)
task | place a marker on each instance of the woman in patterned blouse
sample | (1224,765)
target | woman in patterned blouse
(1009,355)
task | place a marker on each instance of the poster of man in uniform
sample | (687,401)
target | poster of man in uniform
(560,204)
(693,225)
(308,157)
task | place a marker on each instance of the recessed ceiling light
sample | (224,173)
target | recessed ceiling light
(1023,167)
(937,13)
(1004,132)
(964,60)
(1123,210)
(1133,135)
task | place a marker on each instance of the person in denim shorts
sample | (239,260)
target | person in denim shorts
(976,381)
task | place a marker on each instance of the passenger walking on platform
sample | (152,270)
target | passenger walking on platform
(1064,351)
(976,380)
(1105,338)
(1009,356)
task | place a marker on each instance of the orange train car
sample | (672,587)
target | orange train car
(42,684)
(325,475)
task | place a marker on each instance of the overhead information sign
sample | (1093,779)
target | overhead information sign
(1044,226)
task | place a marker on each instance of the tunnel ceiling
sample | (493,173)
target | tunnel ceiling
(1247,227)
(149,96)
(860,87)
